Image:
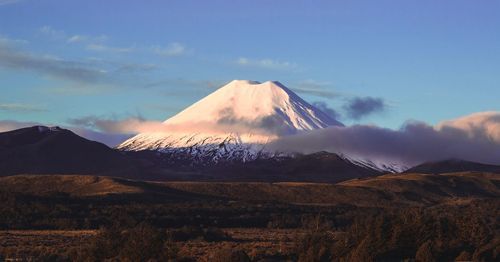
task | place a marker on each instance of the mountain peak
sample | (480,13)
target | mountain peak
(244,111)
(247,101)
(244,82)
(43,129)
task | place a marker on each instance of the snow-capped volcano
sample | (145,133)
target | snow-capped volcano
(238,116)
(236,122)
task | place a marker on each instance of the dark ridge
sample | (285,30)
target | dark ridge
(53,150)
(452,166)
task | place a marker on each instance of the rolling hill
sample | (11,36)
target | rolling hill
(453,165)
(383,191)
(53,150)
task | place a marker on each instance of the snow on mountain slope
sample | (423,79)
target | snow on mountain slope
(240,113)
(236,122)
(253,103)
(375,164)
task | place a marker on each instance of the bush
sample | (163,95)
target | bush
(315,246)
(141,243)
(228,255)
(194,232)
(438,233)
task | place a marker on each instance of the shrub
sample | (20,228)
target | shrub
(314,246)
(140,243)
(195,232)
(228,255)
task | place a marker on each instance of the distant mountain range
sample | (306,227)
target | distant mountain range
(52,150)
(222,137)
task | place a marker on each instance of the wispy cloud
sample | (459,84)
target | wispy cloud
(227,123)
(105,48)
(130,125)
(52,33)
(186,83)
(8,2)
(16,107)
(89,42)
(266,63)
(61,35)
(86,39)
(93,71)
(13,58)
(315,88)
(172,49)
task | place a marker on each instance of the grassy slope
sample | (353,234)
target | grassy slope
(387,190)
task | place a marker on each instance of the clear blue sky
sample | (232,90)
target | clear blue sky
(428,60)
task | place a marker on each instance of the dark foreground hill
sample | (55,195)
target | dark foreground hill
(44,150)
(453,165)
(386,190)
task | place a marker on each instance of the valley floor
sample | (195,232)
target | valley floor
(444,217)
(256,242)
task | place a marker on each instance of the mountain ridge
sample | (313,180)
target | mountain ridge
(451,166)
(41,149)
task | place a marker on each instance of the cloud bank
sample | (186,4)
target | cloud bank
(475,137)
(226,124)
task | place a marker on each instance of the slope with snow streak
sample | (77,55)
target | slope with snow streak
(235,121)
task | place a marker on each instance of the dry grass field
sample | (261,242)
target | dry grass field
(390,217)
(256,242)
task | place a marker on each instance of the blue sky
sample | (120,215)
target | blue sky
(427,60)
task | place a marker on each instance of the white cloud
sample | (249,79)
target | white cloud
(105,48)
(266,63)
(76,39)
(6,41)
(86,39)
(172,49)
(52,33)
(90,42)
(478,125)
